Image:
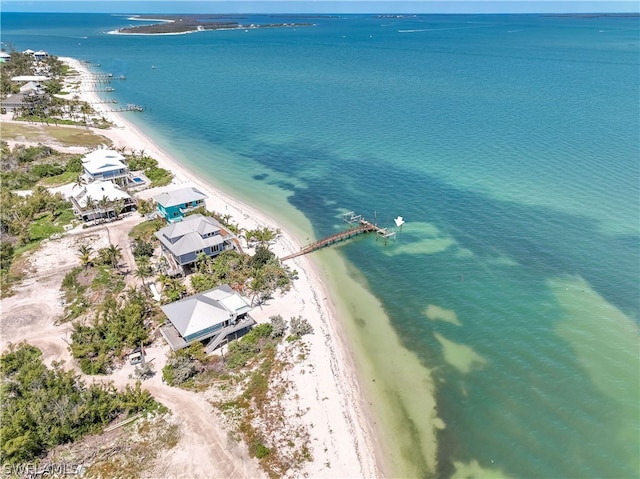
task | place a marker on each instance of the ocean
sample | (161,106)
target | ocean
(508,143)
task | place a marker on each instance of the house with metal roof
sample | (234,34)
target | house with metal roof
(105,165)
(183,241)
(209,316)
(172,205)
(32,87)
(40,55)
(101,199)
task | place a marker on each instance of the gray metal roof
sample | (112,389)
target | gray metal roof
(204,310)
(189,235)
(179,197)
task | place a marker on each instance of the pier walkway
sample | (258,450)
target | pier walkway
(364,227)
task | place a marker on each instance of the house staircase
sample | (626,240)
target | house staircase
(217,340)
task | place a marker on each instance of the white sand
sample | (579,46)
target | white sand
(325,384)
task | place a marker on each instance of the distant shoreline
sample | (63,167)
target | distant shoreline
(183,24)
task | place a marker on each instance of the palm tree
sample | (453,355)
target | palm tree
(85,255)
(144,263)
(163,280)
(114,253)
(225,219)
(118,207)
(141,274)
(256,286)
(104,204)
(173,290)
(89,205)
(79,183)
(85,109)
(202,261)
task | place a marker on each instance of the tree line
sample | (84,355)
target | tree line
(44,407)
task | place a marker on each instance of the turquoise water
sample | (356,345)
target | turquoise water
(510,144)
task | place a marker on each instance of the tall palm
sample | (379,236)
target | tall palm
(202,262)
(79,182)
(114,254)
(104,204)
(174,290)
(118,207)
(256,286)
(85,255)
(141,274)
(89,205)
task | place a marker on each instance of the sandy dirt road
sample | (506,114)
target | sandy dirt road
(30,315)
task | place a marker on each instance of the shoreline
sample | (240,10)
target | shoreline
(349,424)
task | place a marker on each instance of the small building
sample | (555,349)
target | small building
(172,205)
(105,165)
(31,87)
(196,234)
(209,316)
(40,55)
(101,200)
(5,57)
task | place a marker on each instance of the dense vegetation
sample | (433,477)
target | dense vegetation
(258,276)
(46,106)
(23,167)
(24,64)
(119,323)
(158,176)
(44,407)
(27,220)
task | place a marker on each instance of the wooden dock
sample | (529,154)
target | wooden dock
(364,226)
(130,107)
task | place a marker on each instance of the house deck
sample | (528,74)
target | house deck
(172,336)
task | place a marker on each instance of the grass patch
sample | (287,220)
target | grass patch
(67,136)
(77,136)
(59,180)
(144,231)
(43,228)
(65,217)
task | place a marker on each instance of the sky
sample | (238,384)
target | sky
(321,6)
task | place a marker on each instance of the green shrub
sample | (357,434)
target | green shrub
(278,326)
(43,407)
(142,248)
(178,369)
(261,451)
(300,326)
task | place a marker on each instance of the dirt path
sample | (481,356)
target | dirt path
(203,450)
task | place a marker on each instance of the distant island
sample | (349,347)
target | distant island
(173,24)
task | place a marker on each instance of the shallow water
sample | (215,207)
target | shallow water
(508,143)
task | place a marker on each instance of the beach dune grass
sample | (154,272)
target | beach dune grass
(66,136)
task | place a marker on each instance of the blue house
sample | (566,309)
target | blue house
(183,241)
(173,205)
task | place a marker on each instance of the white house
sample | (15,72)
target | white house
(103,165)
(100,199)
(31,87)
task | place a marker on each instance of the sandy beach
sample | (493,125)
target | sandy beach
(325,385)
